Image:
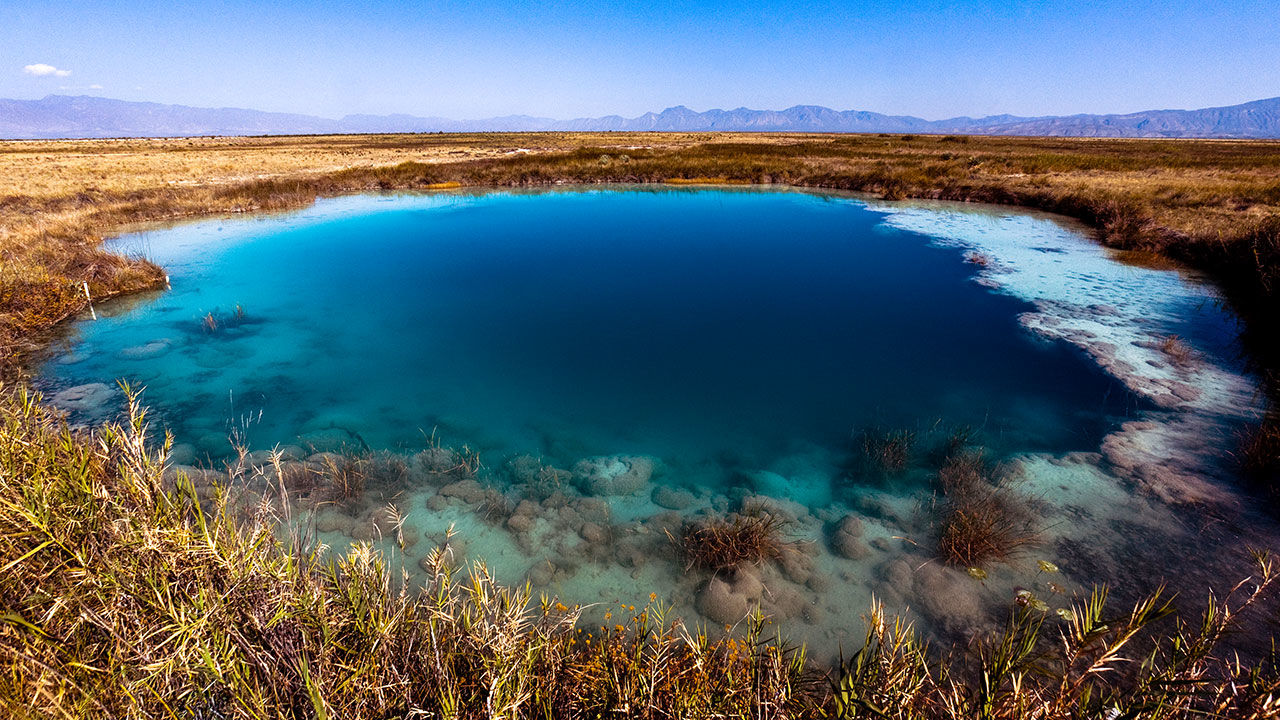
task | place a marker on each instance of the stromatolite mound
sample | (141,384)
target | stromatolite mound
(613,474)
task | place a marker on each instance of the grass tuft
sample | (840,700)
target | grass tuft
(722,544)
(886,452)
(1177,350)
(982,519)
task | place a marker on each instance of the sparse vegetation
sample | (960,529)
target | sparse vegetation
(1082,661)
(1177,350)
(1259,453)
(723,544)
(981,518)
(886,452)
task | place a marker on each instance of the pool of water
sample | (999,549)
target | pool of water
(622,360)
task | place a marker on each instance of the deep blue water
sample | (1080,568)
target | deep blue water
(703,327)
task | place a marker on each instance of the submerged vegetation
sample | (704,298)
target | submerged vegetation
(885,452)
(125,594)
(723,544)
(981,517)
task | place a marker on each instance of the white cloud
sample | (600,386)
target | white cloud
(95,86)
(43,70)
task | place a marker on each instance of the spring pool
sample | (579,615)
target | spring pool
(569,378)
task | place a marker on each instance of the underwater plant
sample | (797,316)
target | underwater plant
(720,544)
(981,517)
(1177,350)
(345,476)
(887,452)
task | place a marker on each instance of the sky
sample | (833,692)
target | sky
(582,59)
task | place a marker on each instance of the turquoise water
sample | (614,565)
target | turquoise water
(731,345)
(688,325)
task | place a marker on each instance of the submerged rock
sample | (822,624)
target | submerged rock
(216,443)
(334,439)
(631,554)
(524,517)
(720,604)
(155,348)
(950,599)
(377,523)
(614,474)
(437,465)
(797,561)
(330,521)
(768,483)
(92,401)
(784,510)
(202,480)
(728,599)
(541,574)
(594,533)
(259,457)
(785,602)
(846,539)
(182,454)
(468,491)
(591,509)
(671,498)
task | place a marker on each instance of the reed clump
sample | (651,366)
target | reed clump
(981,517)
(885,451)
(722,544)
(345,477)
(1177,350)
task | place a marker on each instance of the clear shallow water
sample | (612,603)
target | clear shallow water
(733,340)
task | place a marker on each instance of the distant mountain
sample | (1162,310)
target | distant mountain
(60,116)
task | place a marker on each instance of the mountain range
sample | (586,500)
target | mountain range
(62,116)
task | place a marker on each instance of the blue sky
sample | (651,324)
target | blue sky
(572,59)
